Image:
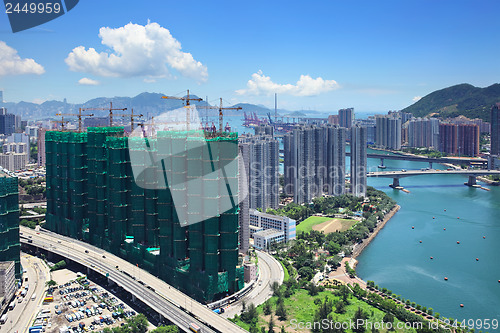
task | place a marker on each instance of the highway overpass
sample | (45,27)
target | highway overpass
(155,293)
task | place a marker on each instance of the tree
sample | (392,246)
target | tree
(271,325)
(275,287)
(262,329)
(138,324)
(344,292)
(254,329)
(388,318)
(167,329)
(250,314)
(50,283)
(283,329)
(281,312)
(340,307)
(359,317)
(267,308)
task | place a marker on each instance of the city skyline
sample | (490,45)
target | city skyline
(344,55)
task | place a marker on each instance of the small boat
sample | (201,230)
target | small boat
(445,278)
(382,167)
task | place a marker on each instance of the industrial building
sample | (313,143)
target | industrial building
(92,195)
(314,162)
(10,248)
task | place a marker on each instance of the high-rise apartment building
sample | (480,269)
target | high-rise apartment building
(243,213)
(41,147)
(314,162)
(358,161)
(10,247)
(264,129)
(423,132)
(462,140)
(7,122)
(93,195)
(263,171)
(346,117)
(495,129)
(388,128)
(468,140)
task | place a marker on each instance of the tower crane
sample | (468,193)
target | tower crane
(221,113)
(110,109)
(187,99)
(79,115)
(62,122)
(132,116)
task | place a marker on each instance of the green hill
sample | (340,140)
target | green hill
(463,99)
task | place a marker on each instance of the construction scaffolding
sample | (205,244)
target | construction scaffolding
(165,219)
(10,248)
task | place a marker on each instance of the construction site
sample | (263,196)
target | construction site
(164,218)
(9,221)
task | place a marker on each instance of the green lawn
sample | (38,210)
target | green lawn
(307,224)
(301,306)
(287,275)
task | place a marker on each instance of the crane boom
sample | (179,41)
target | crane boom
(79,115)
(187,99)
(110,109)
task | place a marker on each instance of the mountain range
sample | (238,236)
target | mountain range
(148,104)
(462,99)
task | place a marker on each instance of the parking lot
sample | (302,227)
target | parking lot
(81,305)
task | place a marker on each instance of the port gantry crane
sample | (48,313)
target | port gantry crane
(110,109)
(79,115)
(221,113)
(187,99)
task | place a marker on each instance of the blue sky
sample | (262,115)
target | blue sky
(320,55)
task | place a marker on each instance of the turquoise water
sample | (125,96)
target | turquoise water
(398,261)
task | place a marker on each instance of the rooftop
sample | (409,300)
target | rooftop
(269,232)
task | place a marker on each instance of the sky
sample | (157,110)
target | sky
(374,56)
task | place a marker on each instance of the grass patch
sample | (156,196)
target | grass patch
(307,224)
(301,307)
(335,225)
(287,275)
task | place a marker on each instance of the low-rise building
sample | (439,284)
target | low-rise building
(277,222)
(263,239)
(250,272)
(7,282)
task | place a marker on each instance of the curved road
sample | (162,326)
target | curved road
(166,300)
(270,271)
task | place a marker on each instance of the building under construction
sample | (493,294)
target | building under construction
(10,248)
(92,195)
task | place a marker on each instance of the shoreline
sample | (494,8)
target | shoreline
(358,249)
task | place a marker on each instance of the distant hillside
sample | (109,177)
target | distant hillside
(149,104)
(463,99)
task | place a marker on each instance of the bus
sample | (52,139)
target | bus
(3,319)
(195,328)
(12,305)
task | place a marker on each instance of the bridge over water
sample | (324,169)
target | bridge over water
(396,175)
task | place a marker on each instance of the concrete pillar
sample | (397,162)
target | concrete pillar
(88,271)
(395,182)
(472,180)
(381,162)
(430,165)
(133,298)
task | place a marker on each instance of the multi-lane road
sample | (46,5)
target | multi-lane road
(163,298)
(23,314)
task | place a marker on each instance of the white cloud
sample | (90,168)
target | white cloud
(85,81)
(137,50)
(416,98)
(12,64)
(305,86)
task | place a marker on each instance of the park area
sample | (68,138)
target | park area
(325,224)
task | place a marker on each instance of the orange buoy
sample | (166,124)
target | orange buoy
(433,217)
(432,257)
(458,217)
(484,237)
(498,281)
(445,278)
(412,227)
(477,259)
(420,241)
(444,228)
(458,242)
(461,305)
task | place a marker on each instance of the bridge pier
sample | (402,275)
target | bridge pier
(472,181)
(395,183)
(430,165)
(133,298)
